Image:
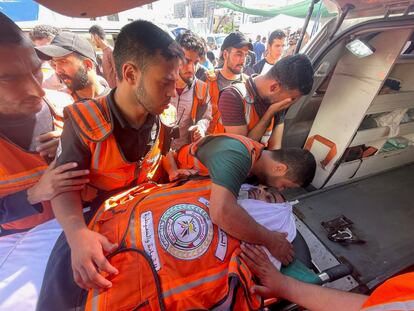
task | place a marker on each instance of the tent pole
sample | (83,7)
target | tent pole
(302,33)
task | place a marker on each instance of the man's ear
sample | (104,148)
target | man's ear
(279,169)
(225,54)
(275,87)
(130,73)
(88,63)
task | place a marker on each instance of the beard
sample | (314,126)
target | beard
(189,81)
(233,68)
(142,98)
(236,71)
(79,81)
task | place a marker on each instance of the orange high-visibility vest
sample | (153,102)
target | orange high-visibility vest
(250,114)
(21,169)
(171,256)
(186,156)
(109,170)
(211,78)
(396,294)
(214,91)
(199,99)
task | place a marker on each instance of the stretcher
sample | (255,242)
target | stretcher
(24,256)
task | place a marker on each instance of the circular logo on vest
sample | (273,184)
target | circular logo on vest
(185,231)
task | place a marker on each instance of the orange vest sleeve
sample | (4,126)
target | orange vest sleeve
(395,294)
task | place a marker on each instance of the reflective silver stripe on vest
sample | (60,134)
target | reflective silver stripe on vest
(393,306)
(179,289)
(247,113)
(95,297)
(177,192)
(95,117)
(18,179)
(132,231)
(96,156)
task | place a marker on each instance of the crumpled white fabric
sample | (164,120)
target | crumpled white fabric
(392,120)
(23,260)
(273,216)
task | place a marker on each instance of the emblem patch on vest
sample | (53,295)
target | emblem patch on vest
(185,231)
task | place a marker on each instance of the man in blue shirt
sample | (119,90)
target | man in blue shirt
(258,48)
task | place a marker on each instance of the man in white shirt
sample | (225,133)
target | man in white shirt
(273,52)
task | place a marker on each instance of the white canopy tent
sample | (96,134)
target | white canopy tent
(278,22)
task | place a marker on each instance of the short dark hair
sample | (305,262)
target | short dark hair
(40,32)
(82,58)
(301,164)
(293,72)
(97,30)
(190,41)
(276,34)
(10,33)
(140,41)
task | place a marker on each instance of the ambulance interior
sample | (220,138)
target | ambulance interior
(361,133)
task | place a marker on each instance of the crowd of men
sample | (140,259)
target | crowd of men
(82,134)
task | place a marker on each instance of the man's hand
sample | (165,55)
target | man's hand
(56,180)
(279,106)
(279,247)
(271,279)
(48,143)
(196,132)
(181,174)
(88,259)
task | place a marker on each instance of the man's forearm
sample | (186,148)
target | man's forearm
(317,298)
(237,222)
(168,163)
(67,208)
(258,131)
(275,140)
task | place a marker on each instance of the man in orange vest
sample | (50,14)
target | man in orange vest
(256,109)
(229,159)
(234,50)
(28,139)
(192,100)
(395,294)
(119,138)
